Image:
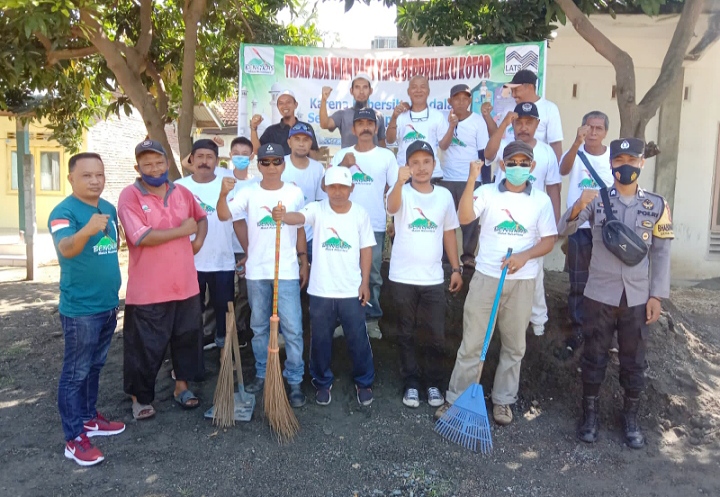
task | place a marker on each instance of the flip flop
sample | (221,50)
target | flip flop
(138,409)
(184,397)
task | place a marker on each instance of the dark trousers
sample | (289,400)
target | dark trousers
(470,232)
(578,263)
(220,286)
(632,334)
(324,315)
(148,331)
(421,328)
(87,341)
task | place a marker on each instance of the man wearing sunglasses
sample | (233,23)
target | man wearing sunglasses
(84,230)
(545,177)
(416,121)
(251,211)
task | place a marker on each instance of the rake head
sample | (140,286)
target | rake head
(466,422)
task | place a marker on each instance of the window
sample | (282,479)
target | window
(50,171)
(13,171)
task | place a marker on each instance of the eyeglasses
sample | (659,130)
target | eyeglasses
(105,231)
(421,118)
(521,164)
(267,162)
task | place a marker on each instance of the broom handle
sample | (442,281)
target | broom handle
(278,227)
(493,313)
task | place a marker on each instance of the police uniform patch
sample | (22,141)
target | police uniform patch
(645,236)
(648,204)
(663,228)
(647,224)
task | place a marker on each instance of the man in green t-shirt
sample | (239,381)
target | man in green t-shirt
(84,230)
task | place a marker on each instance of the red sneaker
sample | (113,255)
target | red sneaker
(101,427)
(83,452)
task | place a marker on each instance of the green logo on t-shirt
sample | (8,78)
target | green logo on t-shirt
(510,227)
(422,223)
(209,209)
(587,183)
(266,222)
(360,177)
(457,141)
(105,245)
(336,243)
(413,134)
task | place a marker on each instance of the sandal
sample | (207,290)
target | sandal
(185,399)
(142,411)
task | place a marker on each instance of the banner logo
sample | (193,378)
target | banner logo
(522,57)
(259,60)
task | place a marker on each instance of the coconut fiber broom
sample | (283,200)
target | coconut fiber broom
(277,407)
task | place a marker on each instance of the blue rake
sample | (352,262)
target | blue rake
(466,422)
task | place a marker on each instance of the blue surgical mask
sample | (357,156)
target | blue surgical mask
(153,181)
(517,175)
(240,162)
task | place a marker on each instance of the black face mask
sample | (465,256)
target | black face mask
(626,174)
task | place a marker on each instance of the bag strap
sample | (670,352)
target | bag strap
(603,188)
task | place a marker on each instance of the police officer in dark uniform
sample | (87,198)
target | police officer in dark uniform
(619,295)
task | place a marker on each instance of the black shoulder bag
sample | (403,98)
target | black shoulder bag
(618,238)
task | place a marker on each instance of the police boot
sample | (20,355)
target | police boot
(588,430)
(633,435)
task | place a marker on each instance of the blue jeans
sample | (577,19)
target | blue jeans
(374,313)
(260,295)
(87,340)
(324,314)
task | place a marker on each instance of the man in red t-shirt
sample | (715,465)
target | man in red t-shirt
(162,304)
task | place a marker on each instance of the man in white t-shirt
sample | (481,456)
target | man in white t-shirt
(589,141)
(425,223)
(304,172)
(514,215)
(416,121)
(339,282)
(252,208)
(524,89)
(374,171)
(215,263)
(544,177)
(466,135)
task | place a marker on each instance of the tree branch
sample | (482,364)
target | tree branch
(247,24)
(162,97)
(672,63)
(146,28)
(55,56)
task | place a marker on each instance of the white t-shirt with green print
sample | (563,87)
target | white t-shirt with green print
(547,169)
(470,136)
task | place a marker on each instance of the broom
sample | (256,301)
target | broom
(277,407)
(466,422)
(224,399)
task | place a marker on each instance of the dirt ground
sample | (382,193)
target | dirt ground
(382,450)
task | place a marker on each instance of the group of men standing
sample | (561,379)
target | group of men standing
(213,232)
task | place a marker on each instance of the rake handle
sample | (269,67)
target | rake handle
(493,313)
(278,228)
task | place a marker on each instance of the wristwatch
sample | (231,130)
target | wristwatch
(457,270)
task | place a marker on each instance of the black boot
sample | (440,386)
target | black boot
(588,430)
(633,435)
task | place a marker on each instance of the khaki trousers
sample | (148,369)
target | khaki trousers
(512,321)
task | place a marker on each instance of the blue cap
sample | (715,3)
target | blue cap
(300,129)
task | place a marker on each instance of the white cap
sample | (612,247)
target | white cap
(362,75)
(338,175)
(287,92)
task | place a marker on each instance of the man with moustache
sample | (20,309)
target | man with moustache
(361,89)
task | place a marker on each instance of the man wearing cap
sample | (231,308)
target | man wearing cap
(622,297)
(467,134)
(374,171)
(304,172)
(545,177)
(514,214)
(425,223)
(416,121)
(339,282)
(215,262)
(278,133)
(251,210)
(588,142)
(162,303)
(524,89)
(84,231)
(342,119)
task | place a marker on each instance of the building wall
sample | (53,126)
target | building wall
(45,200)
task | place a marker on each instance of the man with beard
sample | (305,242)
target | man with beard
(361,89)
(278,133)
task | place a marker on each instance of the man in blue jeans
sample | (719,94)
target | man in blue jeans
(251,208)
(84,230)
(339,282)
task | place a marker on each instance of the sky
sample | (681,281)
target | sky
(357,28)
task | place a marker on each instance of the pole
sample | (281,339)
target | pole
(26,195)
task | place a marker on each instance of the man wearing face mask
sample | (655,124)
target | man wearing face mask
(361,89)
(620,296)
